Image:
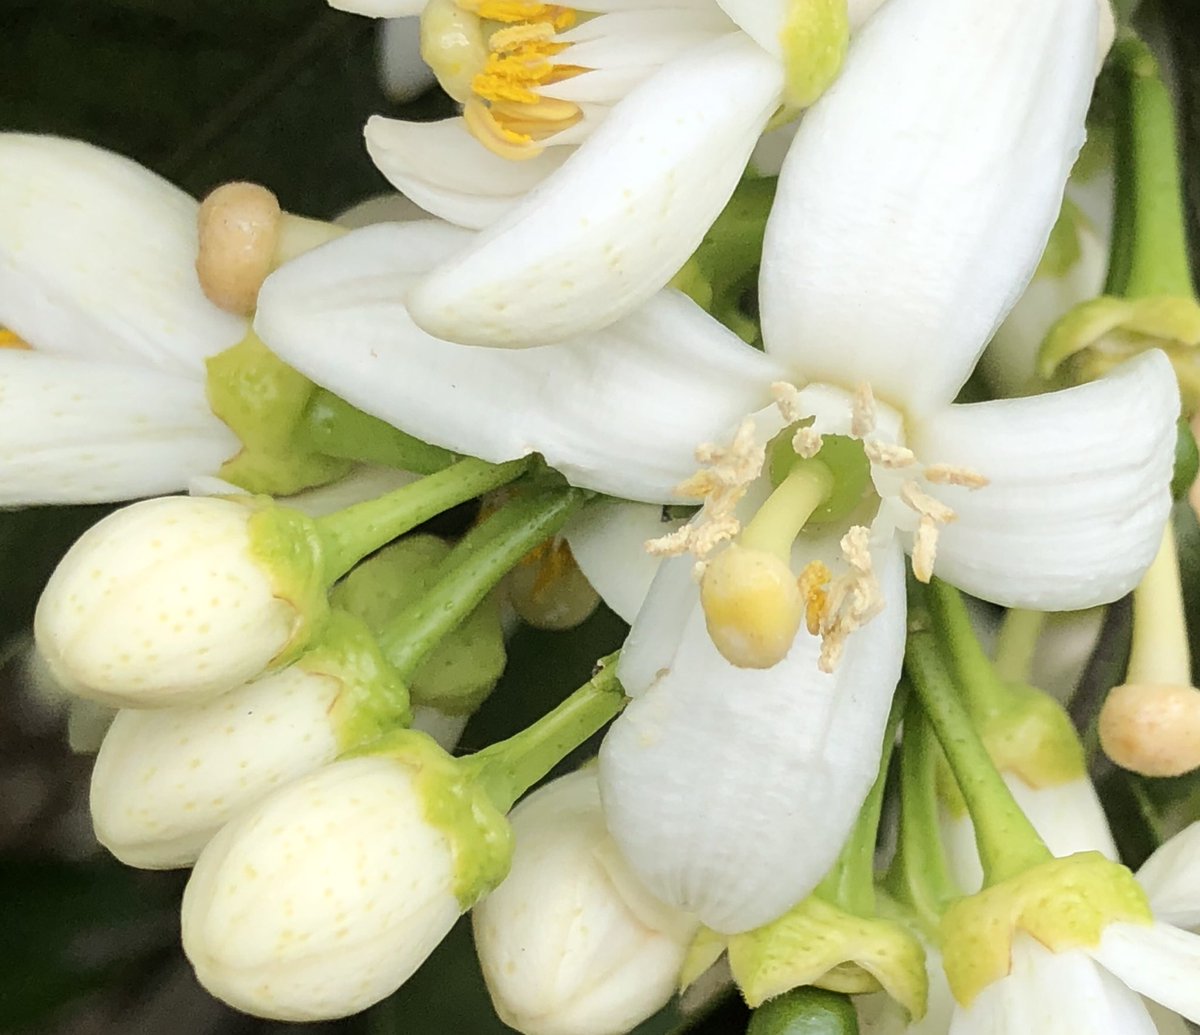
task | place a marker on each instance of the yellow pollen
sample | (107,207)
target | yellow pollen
(520,11)
(511,38)
(813,581)
(11,340)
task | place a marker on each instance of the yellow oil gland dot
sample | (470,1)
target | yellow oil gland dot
(11,340)
(495,58)
(239,231)
(752,606)
(1152,729)
(548,589)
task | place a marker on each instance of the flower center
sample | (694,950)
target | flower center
(497,57)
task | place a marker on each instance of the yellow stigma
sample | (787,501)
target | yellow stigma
(752,606)
(11,340)
(497,72)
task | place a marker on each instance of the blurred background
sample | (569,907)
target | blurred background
(205,91)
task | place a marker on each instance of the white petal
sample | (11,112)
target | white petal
(1068,816)
(921,188)
(97,259)
(1157,960)
(1050,993)
(1171,877)
(621,216)
(608,541)
(403,73)
(761,20)
(380,8)
(78,432)
(729,790)
(449,173)
(1078,494)
(621,411)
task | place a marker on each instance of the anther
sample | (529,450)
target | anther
(889,454)
(948,474)
(924,548)
(925,505)
(807,443)
(787,400)
(239,231)
(862,414)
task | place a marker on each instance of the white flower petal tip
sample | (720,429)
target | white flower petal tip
(571,943)
(164,602)
(73,431)
(323,898)
(1078,492)
(621,216)
(872,268)
(97,259)
(1156,960)
(620,411)
(730,791)
(1171,879)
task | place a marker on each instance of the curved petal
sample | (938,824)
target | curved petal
(402,72)
(72,431)
(921,189)
(1171,877)
(730,791)
(608,541)
(97,259)
(380,8)
(761,20)
(1047,993)
(449,173)
(621,216)
(1079,488)
(621,411)
(1157,960)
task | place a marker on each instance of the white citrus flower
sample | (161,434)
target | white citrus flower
(571,943)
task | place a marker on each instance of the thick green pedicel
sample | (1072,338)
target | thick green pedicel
(816,943)
(815,36)
(1064,904)
(373,699)
(464,667)
(805,1011)
(456,803)
(288,546)
(263,399)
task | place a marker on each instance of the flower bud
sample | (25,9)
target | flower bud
(572,943)
(325,896)
(175,600)
(167,779)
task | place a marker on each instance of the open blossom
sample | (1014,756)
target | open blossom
(103,329)
(597,144)
(871,323)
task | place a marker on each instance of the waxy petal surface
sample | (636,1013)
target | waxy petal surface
(1171,877)
(1157,960)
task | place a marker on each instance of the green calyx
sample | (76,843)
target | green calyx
(262,400)
(458,673)
(815,37)
(287,544)
(456,803)
(1102,333)
(819,944)
(1062,903)
(846,461)
(372,698)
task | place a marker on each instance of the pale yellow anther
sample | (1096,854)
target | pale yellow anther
(787,400)
(925,505)
(835,608)
(752,606)
(889,454)
(514,36)
(924,548)
(862,413)
(807,443)
(548,589)
(239,232)
(1152,729)
(949,474)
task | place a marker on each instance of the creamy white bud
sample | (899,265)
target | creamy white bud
(167,779)
(572,943)
(168,601)
(325,896)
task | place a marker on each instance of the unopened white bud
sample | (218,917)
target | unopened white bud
(325,896)
(174,600)
(572,943)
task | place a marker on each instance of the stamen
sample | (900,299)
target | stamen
(889,454)
(948,474)
(807,443)
(925,548)
(862,414)
(812,582)
(239,227)
(510,38)
(853,599)
(926,505)
(787,401)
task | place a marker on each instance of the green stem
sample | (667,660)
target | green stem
(1007,842)
(349,535)
(331,426)
(1149,245)
(1016,642)
(510,767)
(850,883)
(472,569)
(981,687)
(919,874)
